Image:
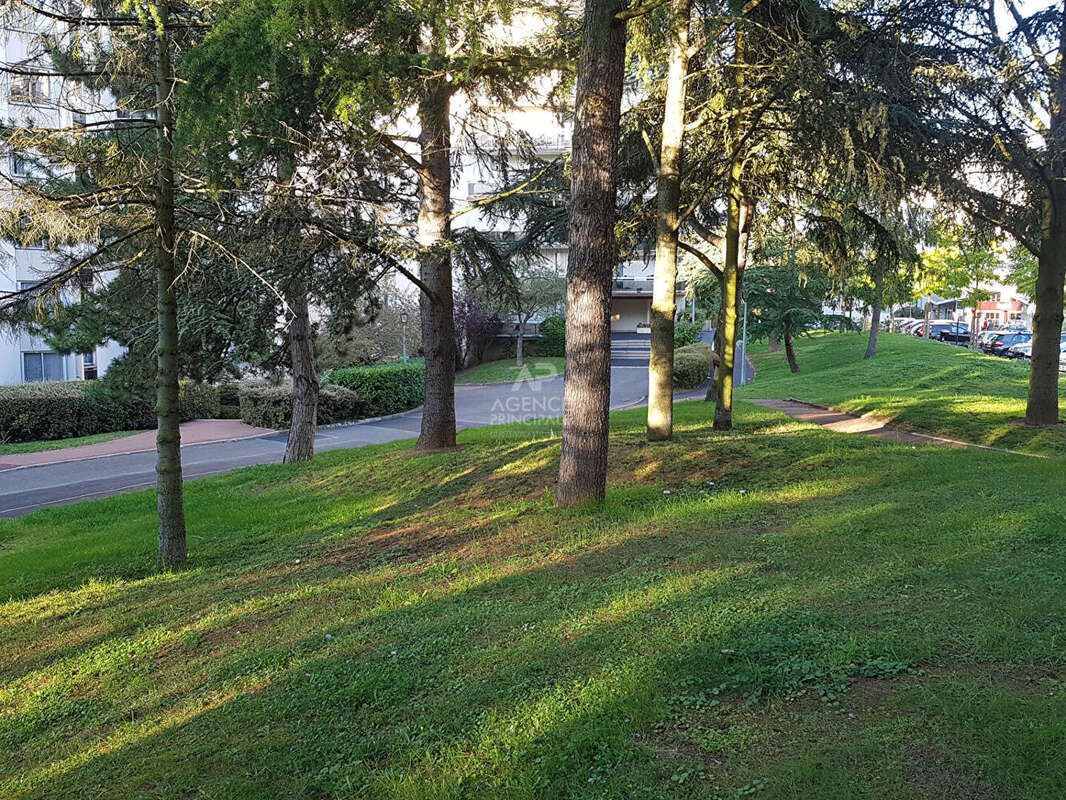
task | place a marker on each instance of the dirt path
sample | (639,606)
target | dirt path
(841,422)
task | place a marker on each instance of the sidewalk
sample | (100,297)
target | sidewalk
(199,431)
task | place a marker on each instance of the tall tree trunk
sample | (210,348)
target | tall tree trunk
(668,198)
(170,502)
(738,226)
(435,268)
(1043,403)
(1042,407)
(790,355)
(716,355)
(875,318)
(518,344)
(301,443)
(593,254)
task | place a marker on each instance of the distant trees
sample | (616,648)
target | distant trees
(961,260)
(989,82)
(539,291)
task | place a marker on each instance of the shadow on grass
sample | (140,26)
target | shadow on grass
(533,656)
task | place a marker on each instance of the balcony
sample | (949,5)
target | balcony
(552,144)
(639,287)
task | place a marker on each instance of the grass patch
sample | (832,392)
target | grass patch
(505,371)
(921,385)
(778,611)
(61,444)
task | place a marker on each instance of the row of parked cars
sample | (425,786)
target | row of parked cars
(1010,342)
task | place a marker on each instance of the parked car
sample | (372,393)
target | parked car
(911,327)
(1062,357)
(998,346)
(1026,350)
(1023,350)
(899,322)
(984,337)
(945,331)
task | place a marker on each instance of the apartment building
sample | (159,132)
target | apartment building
(42,101)
(631,292)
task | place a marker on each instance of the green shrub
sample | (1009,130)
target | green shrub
(686,333)
(552,340)
(383,389)
(198,401)
(692,365)
(61,410)
(229,401)
(271,406)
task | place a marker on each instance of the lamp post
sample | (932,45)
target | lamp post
(403,321)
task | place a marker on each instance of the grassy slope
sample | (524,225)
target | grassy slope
(505,371)
(60,444)
(804,614)
(926,386)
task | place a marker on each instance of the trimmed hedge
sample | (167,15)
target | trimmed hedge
(686,333)
(692,365)
(383,389)
(198,401)
(48,410)
(33,412)
(271,406)
(552,341)
(229,401)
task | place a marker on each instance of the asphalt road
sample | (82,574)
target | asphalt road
(32,488)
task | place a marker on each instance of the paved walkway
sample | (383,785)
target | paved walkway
(199,431)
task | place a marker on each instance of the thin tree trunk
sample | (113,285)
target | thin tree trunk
(170,502)
(301,443)
(435,268)
(774,345)
(518,344)
(875,318)
(716,356)
(790,355)
(593,253)
(668,198)
(738,226)
(1042,407)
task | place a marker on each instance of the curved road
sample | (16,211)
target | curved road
(31,488)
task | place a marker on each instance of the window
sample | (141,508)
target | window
(43,367)
(29,89)
(34,244)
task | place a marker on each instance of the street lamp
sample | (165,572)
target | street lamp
(403,321)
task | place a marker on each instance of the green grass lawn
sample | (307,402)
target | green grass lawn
(60,444)
(918,384)
(505,371)
(776,612)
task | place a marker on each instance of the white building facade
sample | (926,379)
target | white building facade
(43,102)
